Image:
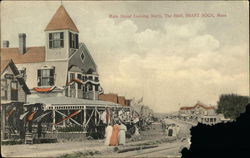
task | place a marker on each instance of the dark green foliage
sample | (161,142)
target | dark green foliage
(232,105)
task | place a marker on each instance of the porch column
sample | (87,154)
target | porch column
(69,94)
(93,88)
(3,121)
(95,115)
(76,88)
(54,118)
(84,116)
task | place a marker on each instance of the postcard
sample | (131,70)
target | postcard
(119,78)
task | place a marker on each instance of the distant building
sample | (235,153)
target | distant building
(200,113)
(115,99)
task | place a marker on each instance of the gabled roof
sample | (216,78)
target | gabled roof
(4,64)
(10,63)
(32,55)
(198,105)
(61,21)
(88,63)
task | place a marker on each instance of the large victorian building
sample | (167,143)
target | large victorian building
(63,66)
(200,113)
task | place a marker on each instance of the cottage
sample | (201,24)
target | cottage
(14,93)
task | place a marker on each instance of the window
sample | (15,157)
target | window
(96,79)
(82,57)
(4,89)
(22,71)
(79,76)
(56,40)
(46,77)
(73,40)
(90,87)
(96,87)
(14,90)
(90,78)
(72,76)
(83,78)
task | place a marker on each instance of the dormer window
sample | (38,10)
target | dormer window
(73,40)
(56,40)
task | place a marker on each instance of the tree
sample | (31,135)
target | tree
(232,105)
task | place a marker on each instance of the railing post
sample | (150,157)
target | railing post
(54,119)
(84,116)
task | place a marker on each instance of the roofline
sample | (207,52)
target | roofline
(16,72)
(66,29)
(90,55)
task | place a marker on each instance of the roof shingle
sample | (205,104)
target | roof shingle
(61,21)
(32,55)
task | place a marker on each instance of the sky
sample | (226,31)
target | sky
(169,59)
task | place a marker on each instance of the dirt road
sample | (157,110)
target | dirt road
(57,149)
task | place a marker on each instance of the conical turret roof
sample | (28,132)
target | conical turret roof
(61,21)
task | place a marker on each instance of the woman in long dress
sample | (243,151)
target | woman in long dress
(122,134)
(108,133)
(114,136)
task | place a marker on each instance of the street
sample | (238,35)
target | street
(154,136)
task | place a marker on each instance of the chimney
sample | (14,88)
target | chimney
(6,44)
(22,43)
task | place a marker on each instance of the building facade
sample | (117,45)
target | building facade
(199,113)
(14,93)
(115,99)
(62,67)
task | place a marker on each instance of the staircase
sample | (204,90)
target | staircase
(28,138)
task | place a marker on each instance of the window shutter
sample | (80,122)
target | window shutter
(76,41)
(50,40)
(39,73)
(50,36)
(39,77)
(70,40)
(61,39)
(51,75)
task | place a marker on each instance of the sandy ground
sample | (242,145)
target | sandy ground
(58,149)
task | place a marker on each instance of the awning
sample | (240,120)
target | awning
(63,100)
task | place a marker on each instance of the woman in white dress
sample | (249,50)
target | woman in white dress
(108,133)
(122,134)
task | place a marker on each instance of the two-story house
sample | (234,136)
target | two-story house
(14,93)
(199,112)
(63,66)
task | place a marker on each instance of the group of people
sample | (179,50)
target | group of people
(116,134)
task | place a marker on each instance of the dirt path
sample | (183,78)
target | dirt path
(52,150)
(58,149)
